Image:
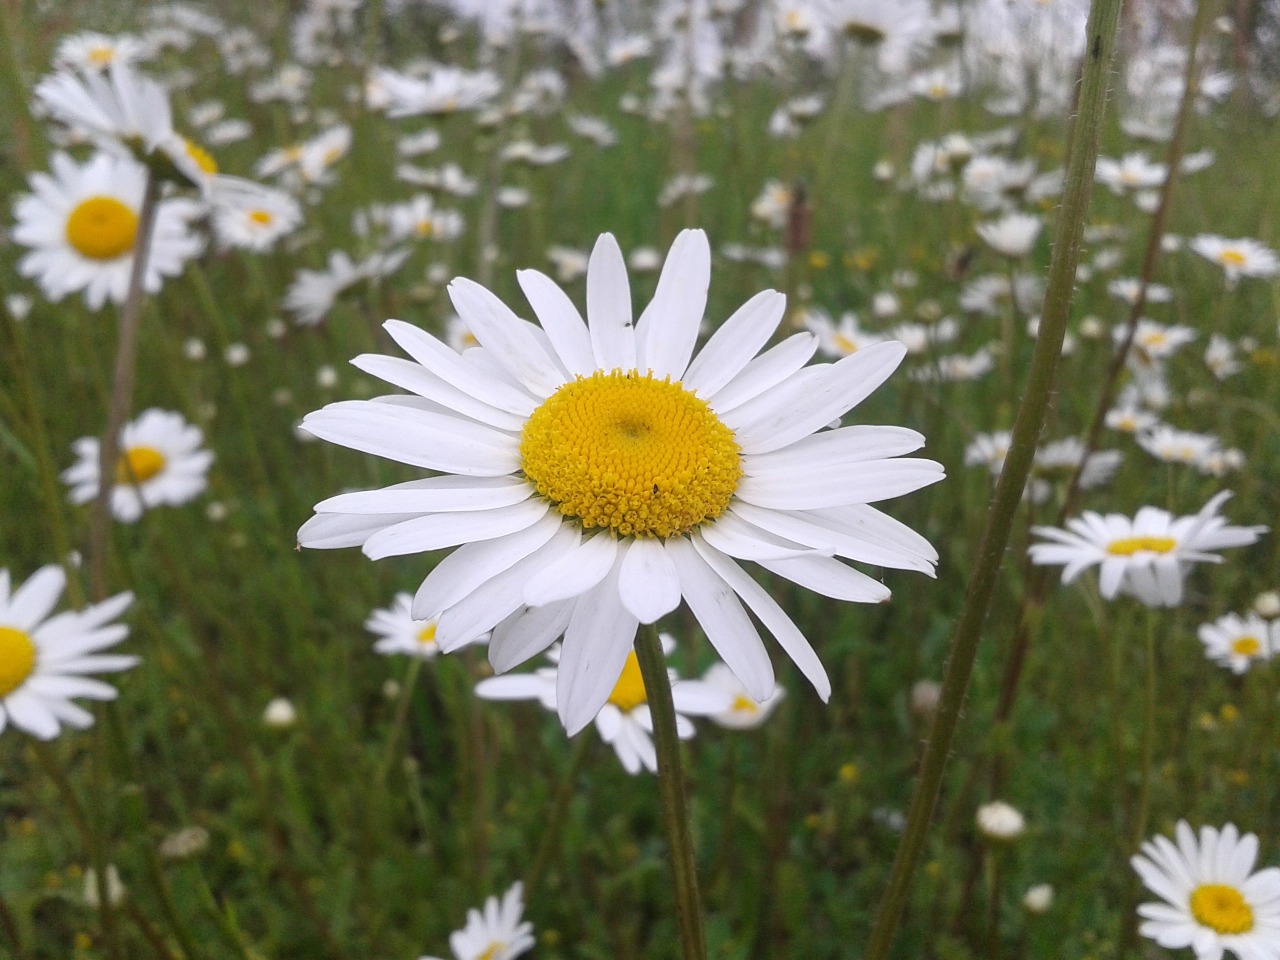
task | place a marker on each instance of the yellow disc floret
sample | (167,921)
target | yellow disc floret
(137,465)
(1232,258)
(427,635)
(17,659)
(1221,908)
(102,228)
(1246,646)
(629,693)
(200,157)
(1128,546)
(641,456)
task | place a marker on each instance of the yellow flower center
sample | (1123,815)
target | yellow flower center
(137,465)
(102,228)
(1221,908)
(1246,646)
(744,704)
(1128,546)
(628,693)
(845,344)
(492,950)
(102,55)
(17,659)
(641,456)
(1156,338)
(261,217)
(1231,258)
(201,157)
(423,228)
(427,635)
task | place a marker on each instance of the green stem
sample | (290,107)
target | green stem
(1100,39)
(675,808)
(555,818)
(397,725)
(121,393)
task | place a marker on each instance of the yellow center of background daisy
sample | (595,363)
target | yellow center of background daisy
(201,156)
(102,228)
(17,659)
(1231,258)
(641,456)
(1246,646)
(744,704)
(261,217)
(101,55)
(427,635)
(1222,908)
(138,465)
(629,693)
(1128,546)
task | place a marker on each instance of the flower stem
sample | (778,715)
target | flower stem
(397,724)
(1100,39)
(121,393)
(675,808)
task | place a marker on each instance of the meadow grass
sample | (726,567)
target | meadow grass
(326,841)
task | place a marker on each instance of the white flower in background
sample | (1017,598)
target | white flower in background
(445,89)
(594,129)
(773,205)
(1153,343)
(841,338)
(497,933)
(1038,899)
(1000,822)
(624,721)
(989,450)
(89,52)
(416,144)
(1128,288)
(314,292)
(586,497)
(1132,172)
(1171,445)
(1131,419)
(1267,604)
(1238,642)
(161,464)
(683,185)
(249,216)
(45,660)
(1220,357)
(399,632)
(1013,235)
(570,263)
(1237,258)
(1147,556)
(743,712)
(1213,899)
(421,219)
(81,225)
(280,714)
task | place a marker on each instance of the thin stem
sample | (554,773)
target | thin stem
(397,725)
(1100,38)
(121,393)
(675,808)
(550,841)
(10,927)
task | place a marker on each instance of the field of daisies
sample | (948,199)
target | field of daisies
(667,479)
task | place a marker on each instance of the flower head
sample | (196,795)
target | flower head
(1238,642)
(1213,899)
(496,934)
(45,660)
(595,474)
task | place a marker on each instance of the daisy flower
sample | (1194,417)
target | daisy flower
(161,464)
(1213,900)
(1237,258)
(1013,235)
(841,338)
(398,632)
(743,712)
(1146,556)
(44,660)
(595,474)
(496,934)
(445,90)
(89,51)
(81,225)
(1132,172)
(249,216)
(624,722)
(314,292)
(1239,642)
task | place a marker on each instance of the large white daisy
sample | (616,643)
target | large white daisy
(594,474)
(1213,899)
(44,660)
(81,223)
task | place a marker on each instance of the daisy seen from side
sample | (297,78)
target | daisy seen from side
(46,660)
(399,632)
(595,474)
(1213,900)
(496,932)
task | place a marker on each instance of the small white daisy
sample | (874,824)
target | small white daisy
(1213,900)
(1147,556)
(1013,235)
(161,464)
(1239,642)
(249,216)
(398,632)
(44,660)
(1237,258)
(81,225)
(496,934)
(743,712)
(314,292)
(88,51)
(841,338)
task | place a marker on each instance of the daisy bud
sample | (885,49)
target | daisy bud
(237,355)
(116,891)
(998,822)
(1268,604)
(280,714)
(1038,899)
(194,350)
(184,843)
(327,377)
(924,698)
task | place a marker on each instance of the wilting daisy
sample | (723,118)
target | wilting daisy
(1238,642)
(624,722)
(399,632)
(1213,899)
(44,660)
(497,933)
(81,225)
(1237,258)
(593,476)
(1146,556)
(161,464)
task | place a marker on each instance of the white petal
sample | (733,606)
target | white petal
(812,486)
(573,573)
(507,338)
(733,345)
(432,495)
(456,370)
(767,370)
(613,339)
(668,328)
(527,632)
(647,580)
(35,599)
(717,610)
(734,536)
(844,446)
(440,530)
(560,319)
(413,376)
(829,577)
(600,634)
(333,531)
(771,615)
